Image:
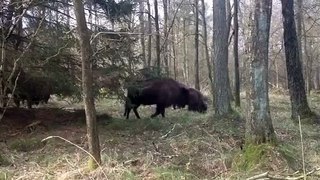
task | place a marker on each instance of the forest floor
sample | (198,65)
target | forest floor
(184,145)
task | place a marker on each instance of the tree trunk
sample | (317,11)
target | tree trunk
(236,55)
(296,84)
(19,24)
(317,78)
(87,84)
(7,29)
(229,19)
(299,19)
(185,59)
(220,58)
(205,39)
(67,12)
(277,74)
(308,67)
(141,19)
(166,33)
(156,19)
(149,33)
(196,44)
(259,128)
(174,54)
(308,58)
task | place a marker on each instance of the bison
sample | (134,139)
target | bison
(33,89)
(163,92)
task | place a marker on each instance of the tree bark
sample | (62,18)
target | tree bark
(7,30)
(296,84)
(166,33)
(259,128)
(220,58)
(196,44)
(156,19)
(205,39)
(299,19)
(185,58)
(317,78)
(308,65)
(141,19)
(229,20)
(87,84)
(174,54)
(236,55)
(301,31)
(149,33)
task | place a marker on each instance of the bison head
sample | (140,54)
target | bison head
(196,101)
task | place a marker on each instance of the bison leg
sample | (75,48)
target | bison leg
(159,110)
(174,106)
(29,103)
(136,112)
(162,112)
(16,101)
(127,112)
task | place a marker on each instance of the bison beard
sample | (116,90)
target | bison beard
(163,93)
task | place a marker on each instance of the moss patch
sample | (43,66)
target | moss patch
(4,161)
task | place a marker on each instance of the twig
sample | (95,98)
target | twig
(267,175)
(302,149)
(170,156)
(259,176)
(59,137)
(94,36)
(167,134)
(155,147)
(55,55)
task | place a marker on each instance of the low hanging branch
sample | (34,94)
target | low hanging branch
(93,37)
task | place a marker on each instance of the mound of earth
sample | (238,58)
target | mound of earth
(19,119)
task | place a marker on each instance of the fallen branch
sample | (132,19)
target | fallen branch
(167,134)
(267,175)
(259,176)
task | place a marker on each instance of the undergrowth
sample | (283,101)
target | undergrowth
(184,145)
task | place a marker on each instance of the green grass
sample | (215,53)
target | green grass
(169,173)
(4,161)
(291,154)
(252,157)
(5,175)
(26,145)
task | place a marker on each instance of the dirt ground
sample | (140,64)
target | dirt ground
(184,145)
